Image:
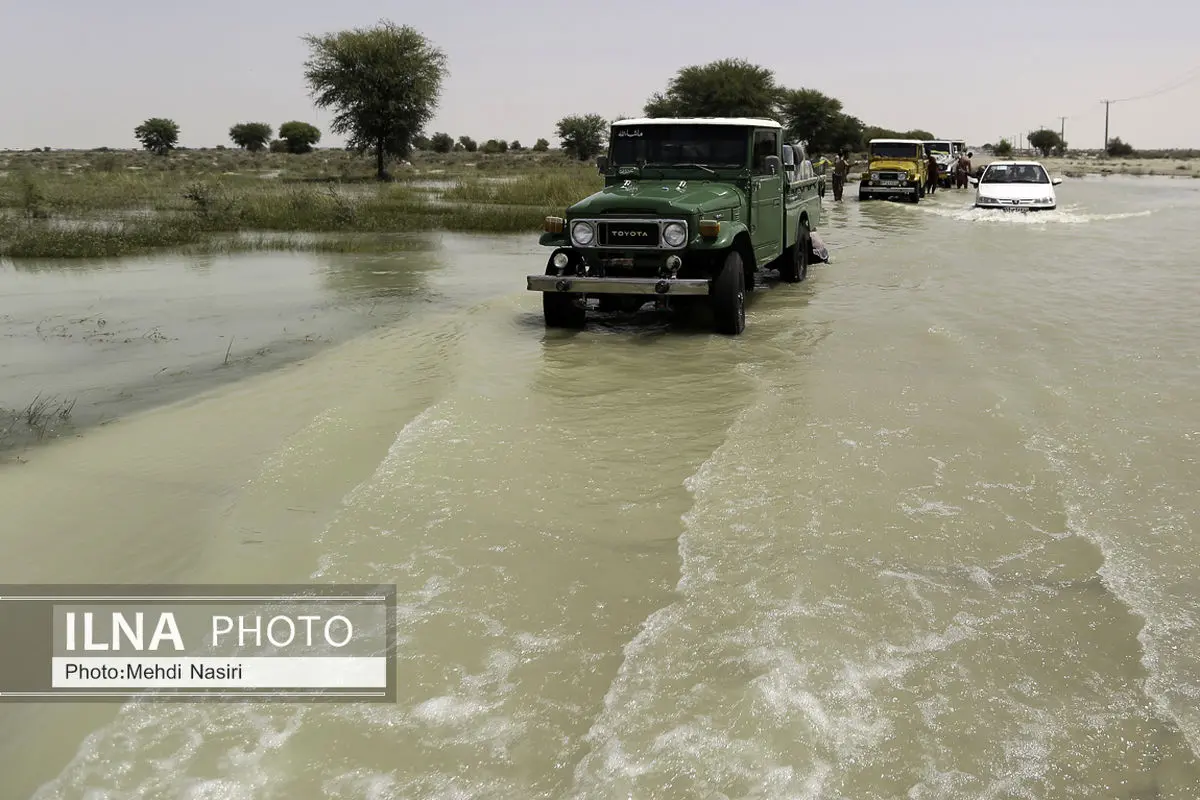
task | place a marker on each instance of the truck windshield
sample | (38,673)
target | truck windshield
(937,147)
(896,151)
(664,145)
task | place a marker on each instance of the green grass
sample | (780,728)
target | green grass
(71,204)
(42,239)
(557,188)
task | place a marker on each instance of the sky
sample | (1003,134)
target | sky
(80,74)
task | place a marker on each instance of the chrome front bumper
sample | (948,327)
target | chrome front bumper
(887,189)
(1006,206)
(572,284)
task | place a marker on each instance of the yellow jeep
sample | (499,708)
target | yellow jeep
(896,168)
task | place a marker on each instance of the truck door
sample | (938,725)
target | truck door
(766,203)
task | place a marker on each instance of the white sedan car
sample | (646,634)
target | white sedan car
(1023,185)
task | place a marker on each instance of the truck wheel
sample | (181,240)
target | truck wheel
(729,296)
(795,267)
(563,309)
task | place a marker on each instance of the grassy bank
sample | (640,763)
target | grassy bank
(90,204)
(97,204)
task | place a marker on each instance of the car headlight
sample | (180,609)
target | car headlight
(983,199)
(675,234)
(582,233)
(874,176)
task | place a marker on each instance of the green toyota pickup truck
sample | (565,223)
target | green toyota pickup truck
(692,210)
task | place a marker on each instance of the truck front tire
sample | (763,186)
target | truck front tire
(729,296)
(563,309)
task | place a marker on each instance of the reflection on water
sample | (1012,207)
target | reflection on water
(118,333)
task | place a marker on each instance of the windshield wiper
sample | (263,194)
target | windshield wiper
(709,170)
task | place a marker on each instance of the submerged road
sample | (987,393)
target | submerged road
(926,530)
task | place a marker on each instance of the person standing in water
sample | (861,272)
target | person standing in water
(962,171)
(841,169)
(931,182)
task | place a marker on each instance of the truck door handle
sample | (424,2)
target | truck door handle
(777,201)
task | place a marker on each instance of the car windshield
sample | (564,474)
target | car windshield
(896,150)
(1015,173)
(710,145)
(937,147)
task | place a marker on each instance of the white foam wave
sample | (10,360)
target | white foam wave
(424,424)
(761,729)
(1165,624)
(168,738)
(1063,215)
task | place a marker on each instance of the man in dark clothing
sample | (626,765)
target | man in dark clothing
(841,168)
(931,181)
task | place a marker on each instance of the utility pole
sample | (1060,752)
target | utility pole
(1106,105)
(1062,130)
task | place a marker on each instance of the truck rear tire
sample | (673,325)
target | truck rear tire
(795,258)
(729,296)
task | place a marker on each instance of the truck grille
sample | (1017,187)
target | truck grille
(629,234)
(890,176)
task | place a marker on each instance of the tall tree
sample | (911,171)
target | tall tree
(1044,141)
(384,83)
(582,136)
(1118,148)
(158,135)
(252,136)
(818,118)
(299,136)
(726,88)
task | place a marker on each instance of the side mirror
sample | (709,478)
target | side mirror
(601,163)
(774,165)
(1056,181)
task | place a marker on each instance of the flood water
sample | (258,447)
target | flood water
(926,530)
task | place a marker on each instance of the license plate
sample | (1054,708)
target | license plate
(889,183)
(620,262)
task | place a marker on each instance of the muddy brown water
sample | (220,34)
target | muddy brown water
(927,530)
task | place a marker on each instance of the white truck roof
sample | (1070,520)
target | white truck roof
(739,121)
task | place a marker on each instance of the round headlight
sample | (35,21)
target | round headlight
(874,176)
(582,233)
(675,234)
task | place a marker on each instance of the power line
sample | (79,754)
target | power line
(1192,75)
(1189,76)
